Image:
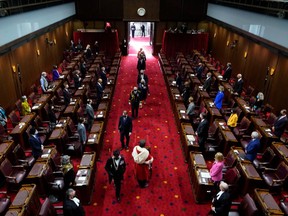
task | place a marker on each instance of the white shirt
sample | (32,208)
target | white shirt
(219,194)
(76,201)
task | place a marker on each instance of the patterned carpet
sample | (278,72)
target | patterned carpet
(169,191)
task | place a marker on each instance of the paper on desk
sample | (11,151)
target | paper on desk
(72,103)
(58,125)
(182,111)
(205,174)
(44,155)
(91,140)
(268,130)
(191,138)
(192,75)
(100,115)
(82,178)
(174,82)
(35,107)
(221,123)
(177,95)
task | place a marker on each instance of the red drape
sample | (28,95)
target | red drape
(108,41)
(185,43)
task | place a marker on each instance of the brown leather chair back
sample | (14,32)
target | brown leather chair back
(14,118)
(6,167)
(282,171)
(248,206)
(47,209)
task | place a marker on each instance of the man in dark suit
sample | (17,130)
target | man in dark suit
(90,114)
(208,82)
(143,30)
(186,93)
(253,147)
(199,71)
(72,205)
(115,167)
(142,76)
(280,124)
(35,143)
(125,129)
(66,95)
(238,85)
(141,65)
(134,100)
(202,131)
(221,202)
(228,72)
(133,28)
(103,76)
(100,91)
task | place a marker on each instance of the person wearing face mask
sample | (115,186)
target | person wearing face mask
(134,100)
(208,82)
(125,128)
(35,143)
(115,167)
(259,101)
(44,82)
(238,85)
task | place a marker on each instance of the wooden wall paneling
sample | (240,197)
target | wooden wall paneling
(111,9)
(170,10)
(130,8)
(8,92)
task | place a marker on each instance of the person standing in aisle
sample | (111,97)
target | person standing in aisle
(134,101)
(125,128)
(133,28)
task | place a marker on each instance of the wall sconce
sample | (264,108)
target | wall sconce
(245,54)
(233,44)
(49,42)
(227,43)
(38,52)
(272,71)
(14,68)
(215,35)
(54,41)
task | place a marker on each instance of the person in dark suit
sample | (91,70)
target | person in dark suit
(141,65)
(125,128)
(179,81)
(90,114)
(253,147)
(133,28)
(100,91)
(35,143)
(199,71)
(72,205)
(143,30)
(134,101)
(76,78)
(208,82)
(142,76)
(280,124)
(238,86)
(186,93)
(221,202)
(228,72)
(202,131)
(103,76)
(81,131)
(66,95)
(83,68)
(55,73)
(116,167)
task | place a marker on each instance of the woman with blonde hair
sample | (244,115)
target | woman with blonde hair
(216,169)
(219,98)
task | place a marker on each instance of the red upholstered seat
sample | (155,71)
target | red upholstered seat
(247,207)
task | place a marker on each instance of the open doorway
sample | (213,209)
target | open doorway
(140,36)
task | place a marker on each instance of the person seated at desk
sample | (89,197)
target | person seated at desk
(233,119)
(72,205)
(3,117)
(26,109)
(227,72)
(280,123)
(56,74)
(237,89)
(208,82)
(35,143)
(66,95)
(219,98)
(253,147)
(43,82)
(216,169)
(259,101)
(221,203)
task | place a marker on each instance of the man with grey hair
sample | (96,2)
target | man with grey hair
(44,82)
(280,124)
(238,86)
(134,101)
(221,203)
(72,205)
(253,147)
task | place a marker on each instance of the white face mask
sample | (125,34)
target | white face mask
(36,132)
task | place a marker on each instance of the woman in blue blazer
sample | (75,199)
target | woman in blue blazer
(219,98)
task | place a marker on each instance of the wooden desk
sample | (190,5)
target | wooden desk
(17,212)
(18,132)
(58,138)
(97,127)
(63,122)
(80,93)
(197,160)
(213,112)
(100,115)
(94,141)
(27,198)
(38,107)
(189,140)
(281,151)
(6,148)
(266,202)
(88,160)
(228,91)
(38,176)
(51,155)
(181,113)
(201,183)
(177,98)
(244,106)
(250,177)
(84,183)
(194,80)
(71,109)
(56,85)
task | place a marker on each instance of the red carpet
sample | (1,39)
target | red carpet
(169,191)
